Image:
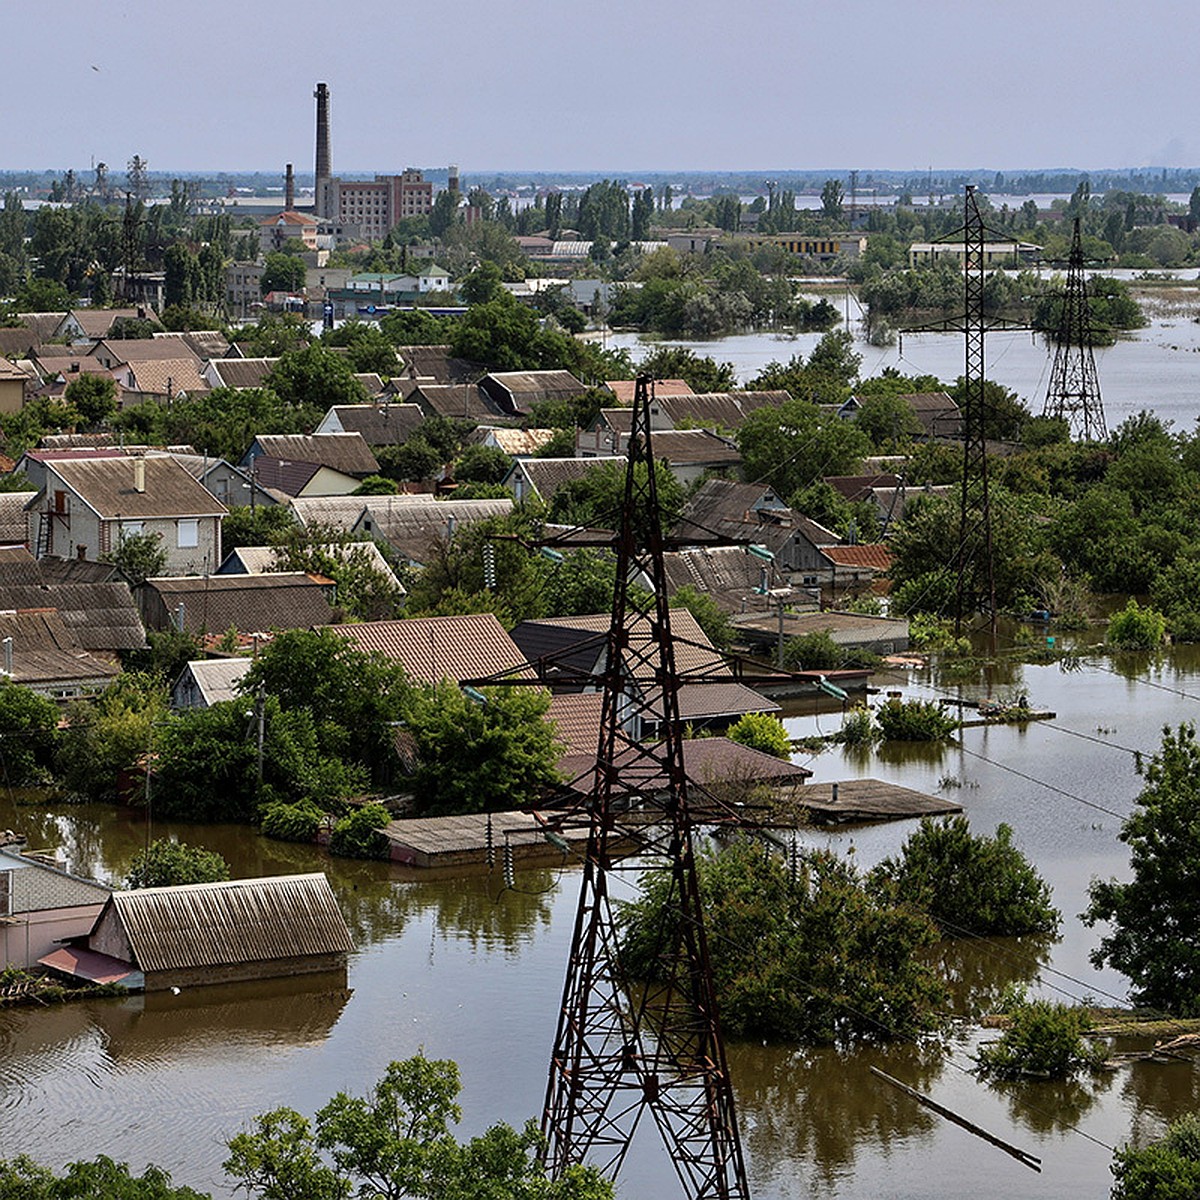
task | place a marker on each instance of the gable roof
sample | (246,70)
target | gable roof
(106,485)
(251,603)
(264,560)
(38,886)
(96,322)
(875,555)
(13,528)
(168,376)
(345,452)
(463,401)
(99,616)
(43,325)
(858,487)
(133,350)
(338,512)
(378,424)
(683,446)
(435,648)
(215,678)
(412,525)
(727,410)
(438,364)
(624,389)
(515,442)
(518,391)
(726,573)
(223,924)
(241,372)
(547,475)
(46,652)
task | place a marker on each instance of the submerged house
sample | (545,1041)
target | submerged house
(198,933)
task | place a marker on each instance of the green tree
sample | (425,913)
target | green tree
(476,757)
(803,954)
(482,464)
(275,334)
(708,614)
(167,863)
(1136,628)
(396,1143)
(364,592)
(223,422)
(597,497)
(43,295)
(762,731)
(888,421)
(262,525)
(1154,916)
(483,284)
(1166,1169)
(22,1179)
(95,396)
(968,883)
(914,721)
(28,734)
(832,196)
(699,372)
(138,556)
(1044,1040)
(366,346)
(283,273)
(314,376)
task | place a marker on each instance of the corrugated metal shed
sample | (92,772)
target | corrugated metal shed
(222,924)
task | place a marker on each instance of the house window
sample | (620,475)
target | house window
(188,535)
(131,528)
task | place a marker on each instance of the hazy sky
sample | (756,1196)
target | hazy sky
(624,85)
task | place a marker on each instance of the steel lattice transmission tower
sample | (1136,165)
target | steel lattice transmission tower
(620,1050)
(1074,392)
(973,561)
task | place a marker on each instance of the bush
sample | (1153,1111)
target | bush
(811,958)
(858,727)
(914,721)
(761,731)
(816,651)
(165,863)
(357,835)
(291,822)
(28,734)
(1136,628)
(1168,1169)
(1043,1039)
(969,884)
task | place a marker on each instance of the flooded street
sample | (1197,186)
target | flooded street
(460,968)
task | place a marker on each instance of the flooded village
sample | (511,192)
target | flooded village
(723,650)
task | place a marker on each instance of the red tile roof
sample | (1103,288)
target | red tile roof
(875,555)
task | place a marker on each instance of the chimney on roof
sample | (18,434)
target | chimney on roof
(289,189)
(324,160)
(139,474)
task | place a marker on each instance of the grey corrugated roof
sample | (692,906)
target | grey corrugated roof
(46,652)
(242,372)
(250,603)
(412,524)
(337,512)
(101,616)
(346,452)
(264,560)
(547,475)
(223,924)
(216,677)
(106,485)
(438,364)
(459,401)
(379,424)
(13,530)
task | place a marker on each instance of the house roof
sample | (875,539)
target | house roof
(106,485)
(38,886)
(43,325)
(215,677)
(264,560)
(528,387)
(224,924)
(435,648)
(136,350)
(96,322)
(876,555)
(100,616)
(345,452)
(13,529)
(413,524)
(547,475)
(459,400)
(18,341)
(726,573)
(516,442)
(251,603)
(242,372)
(438,364)
(624,389)
(576,716)
(46,651)
(379,424)
(681,447)
(723,508)
(288,217)
(284,476)
(168,376)
(338,512)
(858,487)
(724,410)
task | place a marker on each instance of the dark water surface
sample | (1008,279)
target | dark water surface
(460,969)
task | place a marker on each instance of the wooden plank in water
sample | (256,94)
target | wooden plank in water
(860,800)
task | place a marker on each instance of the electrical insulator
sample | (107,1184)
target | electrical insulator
(509,875)
(489,566)
(794,862)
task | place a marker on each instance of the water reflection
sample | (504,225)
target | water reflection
(822,1108)
(1053,1105)
(978,970)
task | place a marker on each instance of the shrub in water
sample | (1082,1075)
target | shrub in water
(1042,1039)
(914,721)
(357,835)
(291,822)
(1136,628)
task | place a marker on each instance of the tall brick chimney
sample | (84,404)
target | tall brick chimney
(289,189)
(324,162)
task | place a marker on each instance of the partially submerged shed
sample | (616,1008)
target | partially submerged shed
(202,933)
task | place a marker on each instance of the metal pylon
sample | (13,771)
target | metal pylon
(1074,391)
(623,1047)
(974,564)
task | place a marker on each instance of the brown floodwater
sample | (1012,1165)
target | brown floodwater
(458,967)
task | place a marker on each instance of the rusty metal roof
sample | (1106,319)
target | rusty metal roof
(223,924)
(875,555)
(435,648)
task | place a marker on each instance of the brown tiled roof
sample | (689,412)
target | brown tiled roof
(243,372)
(547,475)
(858,487)
(45,650)
(380,424)
(168,376)
(106,485)
(438,364)
(874,555)
(251,603)
(345,452)
(706,762)
(623,389)
(462,401)
(576,716)
(434,648)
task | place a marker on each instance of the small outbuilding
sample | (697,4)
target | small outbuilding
(200,933)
